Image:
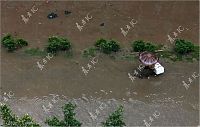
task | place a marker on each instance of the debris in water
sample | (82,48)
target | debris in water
(52,16)
(84,98)
(128,93)
(102,24)
(130,100)
(135,93)
(67,12)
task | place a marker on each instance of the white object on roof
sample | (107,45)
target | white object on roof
(158,69)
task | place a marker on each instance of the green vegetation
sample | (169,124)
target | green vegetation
(140,46)
(35,52)
(183,46)
(195,53)
(182,50)
(115,119)
(128,57)
(20,42)
(107,46)
(11,44)
(69,120)
(169,55)
(58,43)
(11,120)
(90,52)
(68,54)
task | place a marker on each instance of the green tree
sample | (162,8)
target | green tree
(58,43)
(21,42)
(11,120)
(115,119)
(12,44)
(107,46)
(69,117)
(9,43)
(183,46)
(138,46)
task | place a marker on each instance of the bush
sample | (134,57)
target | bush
(100,42)
(114,46)
(140,46)
(183,46)
(58,43)
(20,43)
(150,47)
(107,46)
(115,119)
(11,44)
(69,120)
(11,120)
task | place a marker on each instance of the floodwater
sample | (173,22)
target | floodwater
(108,78)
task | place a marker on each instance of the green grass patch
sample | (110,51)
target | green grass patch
(35,52)
(89,52)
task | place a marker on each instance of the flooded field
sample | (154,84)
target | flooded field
(108,80)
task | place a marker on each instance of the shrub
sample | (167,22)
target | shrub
(115,119)
(114,46)
(11,120)
(65,44)
(58,43)
(140,46)
(11,44)
(183,46)
(69,120)
(100,42)
(150,47)
(107,46)
(20,43)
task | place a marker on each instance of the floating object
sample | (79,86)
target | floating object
(148,58)
(158,68)
(67,12)
(102,24)
(52,15)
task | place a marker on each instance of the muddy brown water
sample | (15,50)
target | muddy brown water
(109,78)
